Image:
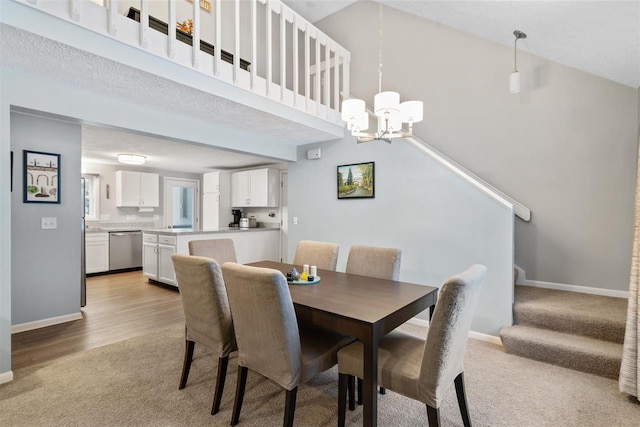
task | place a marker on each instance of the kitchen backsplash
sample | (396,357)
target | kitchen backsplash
(139,224)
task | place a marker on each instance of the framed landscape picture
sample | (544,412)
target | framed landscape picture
(41,177)
(356,181)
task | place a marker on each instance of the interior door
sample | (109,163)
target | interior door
(181,203)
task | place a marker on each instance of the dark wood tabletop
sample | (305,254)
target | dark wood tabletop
(363,307)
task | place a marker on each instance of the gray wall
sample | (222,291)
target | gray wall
(442,223)
(45,264)
(565,146)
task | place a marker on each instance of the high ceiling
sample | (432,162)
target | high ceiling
(599,37)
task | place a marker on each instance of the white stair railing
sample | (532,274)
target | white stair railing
(259,45)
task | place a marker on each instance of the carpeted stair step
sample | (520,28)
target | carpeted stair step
(575,313)
(570,351)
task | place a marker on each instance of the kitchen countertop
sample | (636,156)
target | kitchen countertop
(189,231)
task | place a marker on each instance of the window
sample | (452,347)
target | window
(91,197)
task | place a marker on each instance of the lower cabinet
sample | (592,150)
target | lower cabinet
(156,257)
(96,246)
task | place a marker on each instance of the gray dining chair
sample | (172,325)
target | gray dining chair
(372,261)
(222,250)
(324,255)
(419,369)
(269,339)
(207,315)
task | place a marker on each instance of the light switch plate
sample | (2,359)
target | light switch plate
(48,223)
(295,220)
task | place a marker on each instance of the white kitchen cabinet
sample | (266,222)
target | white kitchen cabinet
(96,252)
(255,188)
(156,257)
(211,182)
(216,200)
(137,189)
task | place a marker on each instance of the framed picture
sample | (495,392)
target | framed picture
(41,177)
(356,181)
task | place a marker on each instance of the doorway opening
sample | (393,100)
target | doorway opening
(181,203)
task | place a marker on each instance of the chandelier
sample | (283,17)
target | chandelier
(391,113)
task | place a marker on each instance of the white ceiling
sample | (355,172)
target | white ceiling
(599,37)
(102,145)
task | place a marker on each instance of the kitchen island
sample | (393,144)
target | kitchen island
(252,245)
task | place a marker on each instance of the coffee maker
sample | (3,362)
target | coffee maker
(237,214)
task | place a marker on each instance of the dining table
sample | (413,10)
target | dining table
(363,307)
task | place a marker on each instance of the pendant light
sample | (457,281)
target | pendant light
(514,79)
(391,113)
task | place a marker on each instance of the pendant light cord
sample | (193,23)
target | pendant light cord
(515,55)
(380,49)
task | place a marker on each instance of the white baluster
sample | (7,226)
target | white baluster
(269,48)
(144,23)
(327,78)
(113,17)
(295,60)
(307,67)
(346,60)
(195,57)
(283,54)
(74,10)
(318,75)
(171,43)
(218,48)
(254,48)
(236,55)
(336,80)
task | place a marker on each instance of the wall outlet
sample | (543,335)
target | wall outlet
(48,223)
(105,217)
(131,217)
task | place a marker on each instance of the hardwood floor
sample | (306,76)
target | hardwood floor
(119,306)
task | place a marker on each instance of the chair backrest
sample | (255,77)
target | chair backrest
(222,250)
(265,323)
(205,303)
(324,255)
(383,263)
(443,358)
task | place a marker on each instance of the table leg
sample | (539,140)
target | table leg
(370,381)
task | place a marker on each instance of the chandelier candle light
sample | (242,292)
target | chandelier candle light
(514,79)
(391,113)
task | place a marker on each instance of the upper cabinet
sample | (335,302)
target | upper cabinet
(255,188)
(211,182)
(135,189)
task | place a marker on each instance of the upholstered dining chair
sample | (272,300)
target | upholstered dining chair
(269,339)
(324,255)
(207,315)
(222,250)
(372,261)
(419,369)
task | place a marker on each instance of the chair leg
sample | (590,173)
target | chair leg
(462,400)
(433,415)
(351,383)
(188,357)
(343,382)
(222,374)
(359,382)
(383,390)
(237,404)
(289,407)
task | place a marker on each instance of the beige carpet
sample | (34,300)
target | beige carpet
(135,383)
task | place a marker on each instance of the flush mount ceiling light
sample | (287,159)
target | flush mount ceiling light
(390,111)
(131,159)
(514,79)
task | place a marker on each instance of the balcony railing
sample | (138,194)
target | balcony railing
(262,46)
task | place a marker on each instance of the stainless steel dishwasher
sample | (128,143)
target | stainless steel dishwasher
(125,250)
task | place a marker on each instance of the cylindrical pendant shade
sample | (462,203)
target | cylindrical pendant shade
(361,123)
(386,103)
(352,108)
(411,111)
(514,82)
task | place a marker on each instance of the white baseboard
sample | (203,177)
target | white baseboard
(22,327)
(6,377)
(580,289)
(475,335)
